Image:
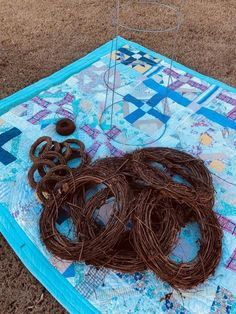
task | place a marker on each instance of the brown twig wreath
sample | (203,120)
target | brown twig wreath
(196,186)
(185,275)
(108,236)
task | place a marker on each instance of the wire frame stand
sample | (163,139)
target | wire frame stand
(110,75)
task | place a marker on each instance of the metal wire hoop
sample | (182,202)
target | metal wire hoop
(175,10)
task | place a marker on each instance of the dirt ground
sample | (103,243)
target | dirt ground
(38,37)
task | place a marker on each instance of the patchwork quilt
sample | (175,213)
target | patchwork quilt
(154,105)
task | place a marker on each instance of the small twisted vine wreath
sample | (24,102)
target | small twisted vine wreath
(126,212)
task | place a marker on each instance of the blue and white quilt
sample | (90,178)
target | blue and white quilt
(194,113)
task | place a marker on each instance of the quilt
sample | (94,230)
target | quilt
(156,103)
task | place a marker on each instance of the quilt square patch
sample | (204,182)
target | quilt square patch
(135,59)
(180,81)
(150,105)
(224,302)
(46,106)
(10,135)
(224,103)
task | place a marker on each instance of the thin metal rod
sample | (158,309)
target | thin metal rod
(116,46)
(104,79)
